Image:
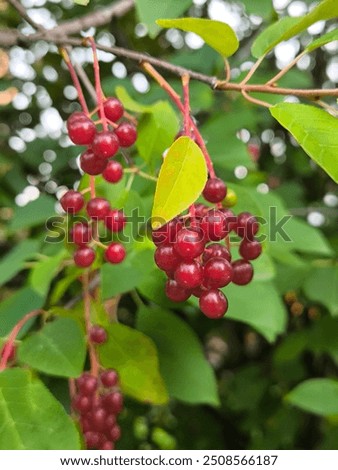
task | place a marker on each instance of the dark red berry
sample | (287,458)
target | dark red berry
(97,334)
(217,272)
(247,225)
(167,233)
(98,208)
(201,210)
(166,258)
(77,116)
(93,439)
(113,109)
(72,201)
(230,220)
(216,250)
(126,134)
(98,419)
(90,164)
(107,445)
(81,233)
(113,402)
(84,257)
(115,221)
(82,403)
(213,303)
(215,190)
(242,272)
(115,253)
(113,172)
(109,378)
(176,293)
(198,291)
(250,249)
(115,433)
(212,225)
(190,243)
(86,384)
(189,274)
(110,422)
(81,130)
(105,145)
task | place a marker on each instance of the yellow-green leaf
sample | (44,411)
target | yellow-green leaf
(322,40)
(181,180)
(216,34)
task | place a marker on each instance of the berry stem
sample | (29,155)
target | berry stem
(98,88)
(75,79)
(92,186)
(186,97)
(86,300)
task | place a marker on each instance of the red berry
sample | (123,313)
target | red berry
(86,384)
(216,250)
(250,249)
(97,334)
(215,190)
(115,433)
(201,210)
(81,233)
(72,201)
(93,439)
(115,221)
(98,419)
(107,445)
(77,116)
(115,253)
(242,272)
(230,220)
(90,164)
(113,402)
(113,172)
(81,130)
(213,303)
(84,257)
(247,225)
(98,208)
(110,422)
(109,378)
(167,233)
(166,258)
(175,292)
(212,225)
(217,272)
(189,274)
(105,145)
(198,291)
(82,403)
(126,134)
(113,109)
(190,243)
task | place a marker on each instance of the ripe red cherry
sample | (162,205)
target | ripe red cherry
(105,145)
(81,233)
(72,201)
(198,291)
(81,129)
(216,250)
(242,272)
(213,303)
(115,221)
(201,210)
(166,258)
(97,334)
(247,225)
(176,293)
(90,164)
(167,233)
(109,378)
(215,190)
(86,384)
(84,257)
(93,439)
(217,272)
(213,226)
(98,208)
(115,433)
(189,274)
(113,402)
(113,109)
(126,134)
(250,249)
(230,220)
(115,253)
(98,419)
(113,172)
(77,116)
(82,403)
(190,243)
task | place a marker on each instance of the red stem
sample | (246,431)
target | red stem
(98,88)
(75,79)
(186,104)
(86,299)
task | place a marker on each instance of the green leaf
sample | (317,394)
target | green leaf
(288,27)
(59,348)
(325,39)
(134,356)
(185,370)
(218,35)
(129,103)
(321,286)
(30,417)
(149,11)
(35,213)
(82,2)
(318,396)
(13,262)
(263,8)
(44,272)
(315,130)
(181,180)
(307,239)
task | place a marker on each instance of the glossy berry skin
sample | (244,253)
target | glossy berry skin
(113,172)
(81,233)
(166,258)
(198,291)
(92,439)
(201,210)
(109,378)
(90,164)
(167,234)
(213,304)
(247,225)
(81,130)
(190,243)
(113,109)
(216,250)
(189,274)
(72,202)
(105,145)
(176,293)
(215,190)
(97,334)
(84,257)
(242,272)
(126,134)
(115,221)
(212,225)
(250,250)
(86,384)
(98,208)
(113,402)
(218,272)
(82,403)
(77,116)
(98,419)
(115,253)
(230,220)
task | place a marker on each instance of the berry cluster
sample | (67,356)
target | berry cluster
(196,263)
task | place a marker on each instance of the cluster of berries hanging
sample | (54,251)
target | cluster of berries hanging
(102,146)
(196,263)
